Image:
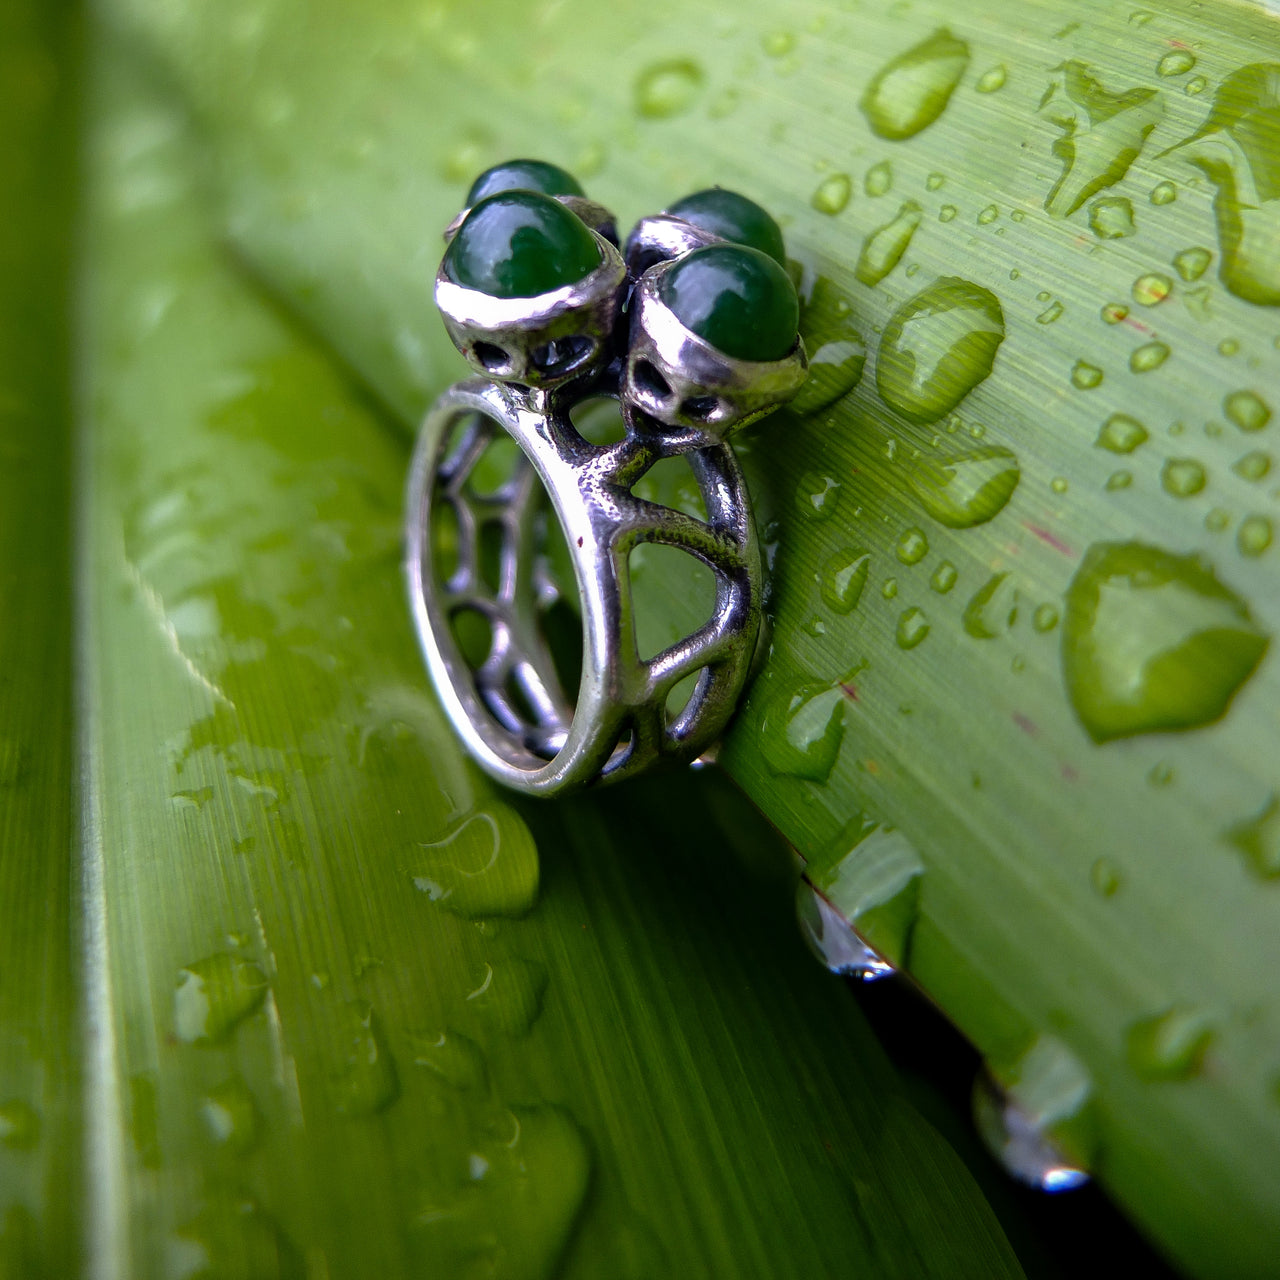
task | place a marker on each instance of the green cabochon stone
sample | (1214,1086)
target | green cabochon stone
(524,175)
(734,217)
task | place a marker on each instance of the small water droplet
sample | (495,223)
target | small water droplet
(1216,520)
(801,731)
(1161,774)
(889,589)
(724,104)
(1148,357)
(1253,466)
(1051,313)
(1058,484)
(832,194)
(1258,839)
(1164,193)
(1170,1045)
(1228,347)
(230,1116)
(843,578)
(1182,477)
(1114,312)
(669,88)
(19,1125)
(1191,264)
(991,80)
(508,997)
(1045,617)
(1111,218)
(232,1236)
(913,546)
(988,215)
(1152,641)
(937,347)
(366,1081)
(1196,85)
(213,995)
(991,608)
(944,578)
(1254,535)
(968,489)
(883,248)
(1247,409)
(879,178)
(1119,480)
(817,496)
(1151,289)
(1177,62)
(934,181)
(457,1060)
(947,213)
(1085,376)
(835,943)
(913,627)
(778,44)
(912,90)
(1121,434)
(1105,877)
(486,865)
(837,354)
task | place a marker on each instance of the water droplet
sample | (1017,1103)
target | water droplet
(1121,434)
(1039,1105)
(366,1081)
(1148,357)
(1051,313)
(1196,85)
(937,347)
(230,1116)
(912,90)
(843,578)
(944,578)
(1151,289)
(1105,877)
(969,489)
(1102,133)
(1119,480)
(1085,376)
(1228,347)
(1161,774)
(666,89)
(883,248)
(913,627)
(19,1125)
(778,43)
(1163,193)
(837,354)
(890,588)
(1114,312)
(1247,409)
(991,80)
(232,1236)
(934,181)
(1045,617)
(834,941)
(1191,264)
(1254,535)
(1111,218)
(213,995)
(988,215)
(879,178)
(1152,641)
(913,546)
(817,495)
(1258,839)
(1216,520)
(801,731)
(1177,62)
(833,194)
(1182,477)
(947,213)
(457,1060)
(1171,1045)
(1253,466)
(487,865)
(993,606)
(508,997)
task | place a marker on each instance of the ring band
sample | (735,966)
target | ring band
(510,708)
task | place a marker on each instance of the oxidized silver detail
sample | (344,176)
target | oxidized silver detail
(511,710)
(663,237)
(681,380)
(541,341)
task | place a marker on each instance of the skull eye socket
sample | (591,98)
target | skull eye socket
(562,355)
(647,379)
(699,408)
(493,357)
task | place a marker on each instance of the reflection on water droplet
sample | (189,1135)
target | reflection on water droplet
(1164,193)
(1177,62)
(230,1116)
(988,215)
(833,194)
(455,1059)
(1182,477)
(1114,312)
(834,941)
(487,865)
(508,997)
(991,80)
(213,995)
(913,546)
(1146,358)
(1258,839)
(1045,617)
(1252,466)
(366,1082)
(944,578)
(1111,218)
(937,347)
(835,348)
(843,578)
(913,627)
(912,90)
(1171,1045)
(1044,1104)
(1191,264)
(883,248)
(1153,641)
(1254,535)
(1085,376)
(19,1125)
(947,213)
(817,495)
(879,178)
(1151,289)
(801,731)
(666,89)
(1247,409)
(991,608)
(1105,877)
(1121,434)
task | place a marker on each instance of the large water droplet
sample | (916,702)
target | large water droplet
(937,347)
(1085,376)
(1247,409)
(1171,1045)
(1258,839)
(1121,434)
(1177,62)
(913,546)
(1254,535)
(1111,218)
(366,1081)
(666,89)
(1148,357)
(508,996)
(991,609)
(991,80)
(912,90)
(1253,466)
(913,628)
(230,1116)
(1182,477)
(883,248)
(213,995)
(843,578)
(19,1125)
(486,866)
(1038,1105)
(1152,641)
(1191,264)
(801,731)
(835,348)
(1151,289)
(832,194)
(1102,133)
(833,940)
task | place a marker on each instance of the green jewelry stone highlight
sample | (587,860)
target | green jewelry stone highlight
(734,217)
(520,244)
(738,299)
(524,175)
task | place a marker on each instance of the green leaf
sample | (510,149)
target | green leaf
(352,1012)
(1058,682)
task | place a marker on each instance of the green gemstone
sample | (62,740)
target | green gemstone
(524,175)
(519,244)
(740,300)
(733,217)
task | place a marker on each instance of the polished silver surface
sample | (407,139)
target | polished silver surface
(683,382)
(511,709)
(542,341)
(663,237)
